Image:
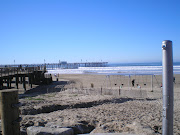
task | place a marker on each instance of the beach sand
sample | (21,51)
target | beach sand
(99,104)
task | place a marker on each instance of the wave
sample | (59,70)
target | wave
(123,70)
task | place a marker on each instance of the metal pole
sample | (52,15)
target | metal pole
(168,94)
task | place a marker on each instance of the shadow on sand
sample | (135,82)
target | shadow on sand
(55,86)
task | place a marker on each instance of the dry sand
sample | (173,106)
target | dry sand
(94,103)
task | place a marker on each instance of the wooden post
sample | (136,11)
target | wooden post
(119,91)
(3,80)
(9,114)
(8,82)
(152,83)
(17,81)
(14,70)
(101,90)
(21,79)
(31,78)
(8,71)
(1,83)
(24,82)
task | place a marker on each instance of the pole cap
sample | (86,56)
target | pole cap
(166,43)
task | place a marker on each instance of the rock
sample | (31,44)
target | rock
(49,131)
(80,127)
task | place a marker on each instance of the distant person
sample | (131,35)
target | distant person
(20,67)
(174,79)
(133,81)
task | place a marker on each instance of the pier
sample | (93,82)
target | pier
(23,75)
(64,65)
(75,65)
(35,73)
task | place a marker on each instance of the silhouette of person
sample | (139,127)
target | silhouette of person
(133,82)
(174,79)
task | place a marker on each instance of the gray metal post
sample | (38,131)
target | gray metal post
(168,94)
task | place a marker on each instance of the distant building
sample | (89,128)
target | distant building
(63,62)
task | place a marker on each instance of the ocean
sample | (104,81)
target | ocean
(120,69)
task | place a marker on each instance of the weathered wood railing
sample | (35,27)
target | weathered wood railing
(35,75)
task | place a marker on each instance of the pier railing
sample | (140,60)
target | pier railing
(20,74)
(6,71)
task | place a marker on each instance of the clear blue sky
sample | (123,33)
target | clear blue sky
(92,30)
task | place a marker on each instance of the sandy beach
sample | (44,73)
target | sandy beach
(99,104)
(71,67)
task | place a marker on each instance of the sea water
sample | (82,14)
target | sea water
(120,69)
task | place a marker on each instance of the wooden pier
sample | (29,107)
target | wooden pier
(34,75)
(64,65)
(75,65)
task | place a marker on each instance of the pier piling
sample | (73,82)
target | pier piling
(9,114)
(17,81)
(24,82)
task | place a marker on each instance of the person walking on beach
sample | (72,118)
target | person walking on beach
(133,82)
(174,79)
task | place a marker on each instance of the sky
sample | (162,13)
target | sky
(116,31)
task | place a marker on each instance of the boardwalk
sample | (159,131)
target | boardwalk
(12,74)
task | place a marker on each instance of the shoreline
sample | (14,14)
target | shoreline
(126,70)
